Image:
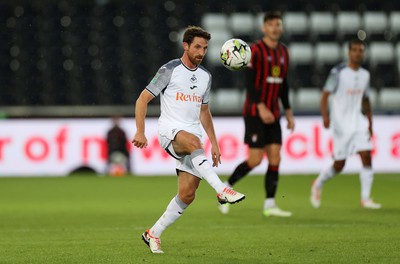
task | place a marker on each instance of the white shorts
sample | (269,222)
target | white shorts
(183,163)
(345,145)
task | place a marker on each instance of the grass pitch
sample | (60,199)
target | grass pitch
(84,219)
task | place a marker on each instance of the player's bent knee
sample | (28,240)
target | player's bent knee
(187,198)
(274,160)
(338,166)
(254,162)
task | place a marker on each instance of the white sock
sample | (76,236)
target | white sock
(269,203)
(203,166)
(324,176)
(174,210)
(366,179)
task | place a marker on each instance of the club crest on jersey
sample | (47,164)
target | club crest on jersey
(193,79)
(276,71)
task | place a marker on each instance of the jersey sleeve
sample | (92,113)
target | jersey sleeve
(284,94)
(160,80)
(251,72)
(332,81)
(206,95)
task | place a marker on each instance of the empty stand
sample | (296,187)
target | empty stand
(375,24)
(327,53)
(348,24)
(381,58)
(322,25)
(389,98)
(301,64)
(394,24)
(215,21)
(296,26)
(242,25)
(106,52)
(308,98)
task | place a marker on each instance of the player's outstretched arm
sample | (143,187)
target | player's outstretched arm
(324,109)
(140,139)
(208,125)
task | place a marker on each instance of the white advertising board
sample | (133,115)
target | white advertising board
(55,147)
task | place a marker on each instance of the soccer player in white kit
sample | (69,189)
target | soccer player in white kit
(351,119)
(184,88)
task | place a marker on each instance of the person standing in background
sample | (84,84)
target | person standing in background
(266,84)
(118,162)
(351,119)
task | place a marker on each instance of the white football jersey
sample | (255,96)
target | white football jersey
(347,88)
(182,93)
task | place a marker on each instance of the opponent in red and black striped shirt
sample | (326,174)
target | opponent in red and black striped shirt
(266,79)
(266,84)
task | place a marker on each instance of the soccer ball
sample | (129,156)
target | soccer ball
(235,54)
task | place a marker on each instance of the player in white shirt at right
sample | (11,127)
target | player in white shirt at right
(351,119)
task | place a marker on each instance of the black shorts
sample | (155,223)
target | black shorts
(257,134)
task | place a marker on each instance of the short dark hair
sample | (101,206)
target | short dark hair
(356,41)
(194,31)
(272,15)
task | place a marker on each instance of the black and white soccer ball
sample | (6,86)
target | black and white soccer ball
(235,54)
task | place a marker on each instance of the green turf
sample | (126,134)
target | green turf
(100,220)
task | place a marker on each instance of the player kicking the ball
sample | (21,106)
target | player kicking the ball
(349,86)
(184,88)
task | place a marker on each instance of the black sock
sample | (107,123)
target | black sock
(271,181)
(239,173)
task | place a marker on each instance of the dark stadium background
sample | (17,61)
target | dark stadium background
(100,54)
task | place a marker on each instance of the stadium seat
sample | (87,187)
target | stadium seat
(397,52)
(394,23)
(322,26)
(301,64)
(296,26)
(308,98)
(389,98)
(348,24)
(327,53)
(381,52)
(382,66)
(227,99)
(375,24)
(242,26)
(300,53)
(214,21)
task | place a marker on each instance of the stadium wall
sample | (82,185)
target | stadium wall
(56,147)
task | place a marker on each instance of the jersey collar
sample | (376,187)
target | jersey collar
(187,66)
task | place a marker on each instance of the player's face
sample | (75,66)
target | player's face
(196,50)
(356,53)
(273,29)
